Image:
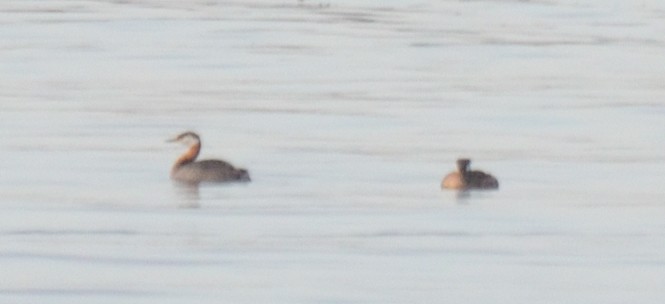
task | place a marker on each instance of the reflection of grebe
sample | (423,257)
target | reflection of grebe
(464,178)
(187,170)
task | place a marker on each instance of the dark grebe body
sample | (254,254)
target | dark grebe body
(464,178)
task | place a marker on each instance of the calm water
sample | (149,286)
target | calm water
(347,114)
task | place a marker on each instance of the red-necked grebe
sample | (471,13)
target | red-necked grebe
(187,170)
(464,178)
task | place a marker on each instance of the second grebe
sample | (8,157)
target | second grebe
(464,178)
(187,170)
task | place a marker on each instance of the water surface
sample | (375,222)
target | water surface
(347,114)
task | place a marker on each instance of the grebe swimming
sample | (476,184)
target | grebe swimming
(187,170)
(464,178)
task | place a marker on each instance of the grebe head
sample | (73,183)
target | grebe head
(463,164)
(188,138)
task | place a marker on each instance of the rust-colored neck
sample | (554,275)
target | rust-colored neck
(188,156)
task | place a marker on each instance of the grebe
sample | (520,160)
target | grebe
(464,178)
(187,170)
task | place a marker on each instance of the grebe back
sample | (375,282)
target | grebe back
(187,170)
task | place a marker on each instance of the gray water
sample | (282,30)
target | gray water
(347,115)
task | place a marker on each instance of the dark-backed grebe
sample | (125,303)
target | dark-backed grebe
(464,178)
(187,170)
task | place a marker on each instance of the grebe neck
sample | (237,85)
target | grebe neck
(188,156)
(463,169)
